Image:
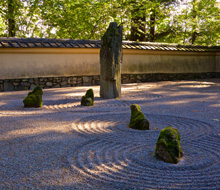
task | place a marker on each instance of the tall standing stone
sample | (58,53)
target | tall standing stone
(110,62)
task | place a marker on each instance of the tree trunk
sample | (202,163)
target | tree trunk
(138,24)
(194,27)
(152,26)
(11,18)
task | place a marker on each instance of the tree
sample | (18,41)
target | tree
(11,17)
(196,22)
(138,21)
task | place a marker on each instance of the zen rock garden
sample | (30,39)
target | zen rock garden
(78,143)
(168,146)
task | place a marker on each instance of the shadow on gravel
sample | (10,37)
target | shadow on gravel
(42,151)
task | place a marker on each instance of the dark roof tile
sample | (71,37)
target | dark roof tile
(63,43)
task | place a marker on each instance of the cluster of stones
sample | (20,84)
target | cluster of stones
(48,82)
(34,98)
(153,77)
(58,82)
(168,146)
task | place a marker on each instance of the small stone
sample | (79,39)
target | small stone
(74,80)
(86,79)
(86,84)
(69,80)
(15,83)
(68,85)
(31,80)
(56,86)
(42,83)
(139,77)
(34,98)
(26,84)
(88,99)
(168,146)
(138,121)
(63,83)
(8,86)
(49,84)
(32,87)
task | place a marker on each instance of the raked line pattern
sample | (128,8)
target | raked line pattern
(113,153)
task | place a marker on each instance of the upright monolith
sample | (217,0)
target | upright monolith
(110,62)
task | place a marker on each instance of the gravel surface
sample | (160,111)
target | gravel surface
(66,146)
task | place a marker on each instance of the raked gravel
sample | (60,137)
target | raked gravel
(66,146)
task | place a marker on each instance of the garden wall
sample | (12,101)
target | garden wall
(22,68)
(218,62)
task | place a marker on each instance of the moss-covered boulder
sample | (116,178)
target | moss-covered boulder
(138,121)
(34,98)
(168,146)
(88,99)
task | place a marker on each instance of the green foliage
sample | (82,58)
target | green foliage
(138,120)
(88,19)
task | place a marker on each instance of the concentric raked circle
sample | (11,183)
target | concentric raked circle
(114,127)
(136,166)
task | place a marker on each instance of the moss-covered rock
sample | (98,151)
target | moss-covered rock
(34,98)
(88,99)
(138,121)
(168,146)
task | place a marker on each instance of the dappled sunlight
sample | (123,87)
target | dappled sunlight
(2,103)
(197,85)
(107,168)
(76,94)
(137,85)
(176,102)
(33,131)
(217,105)
(93,127)
(68,143)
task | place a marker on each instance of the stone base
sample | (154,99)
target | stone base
(58,82)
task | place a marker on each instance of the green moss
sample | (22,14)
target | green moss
(168,145)
(138,120)
(34,98)
(88,99)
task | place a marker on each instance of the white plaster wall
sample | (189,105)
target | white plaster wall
(218,62)
(168,64)
(47,65)
(52,64)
